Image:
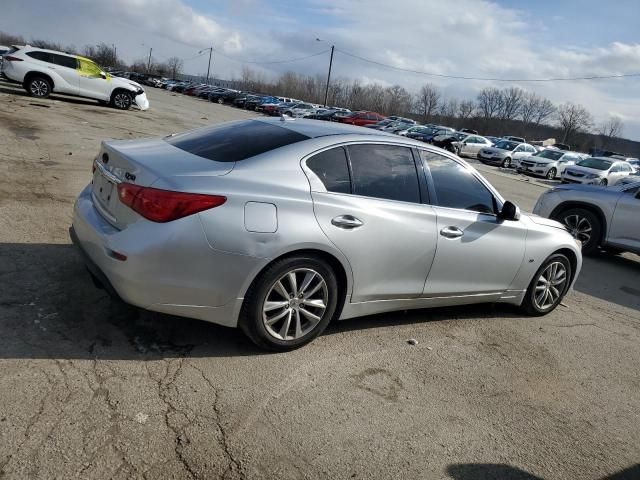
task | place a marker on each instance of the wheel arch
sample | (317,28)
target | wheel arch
(341,271)
(587,206)
(35,73)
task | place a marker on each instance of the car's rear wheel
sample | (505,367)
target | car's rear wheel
(506,163)
(604,182)
(584,225)
(290,303)
(548,286)
(551,174)
(121,100)
(220,101)
(38,86)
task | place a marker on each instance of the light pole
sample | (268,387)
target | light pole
(209,67)
(326,90)
(148,61)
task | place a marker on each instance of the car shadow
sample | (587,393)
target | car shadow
(49,308)
(494,471)
(16,89)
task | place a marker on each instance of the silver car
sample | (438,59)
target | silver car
(549,163)
(279,226)
(596,216)
(597,171)
(506,152)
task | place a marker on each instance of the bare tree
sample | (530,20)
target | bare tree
(610,129)
(544,110)
(449,109)
(466,109)
(511,103)
(490,102)
(427,101)
(572,119)
(174,66)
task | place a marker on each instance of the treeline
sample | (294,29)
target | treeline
(104,55)
(506,111)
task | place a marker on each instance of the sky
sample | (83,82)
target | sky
(514,39)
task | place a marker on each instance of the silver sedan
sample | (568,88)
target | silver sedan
(280,226)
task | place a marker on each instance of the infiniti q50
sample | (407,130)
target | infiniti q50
(281,226)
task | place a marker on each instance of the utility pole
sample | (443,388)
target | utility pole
(149,62)
(208,67)
(326,91)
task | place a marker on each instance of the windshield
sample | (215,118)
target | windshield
(506,145)
(550,154)
(595,163)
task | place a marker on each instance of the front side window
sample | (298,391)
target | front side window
(332,169)
(384,171)
(456,186)
(89,69)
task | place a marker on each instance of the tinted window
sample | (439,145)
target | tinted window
(64,61)
(332,168)
(457,187)
(231,142)
(384,171)
(42,56)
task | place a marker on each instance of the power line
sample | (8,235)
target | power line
(461,77)
(272,62)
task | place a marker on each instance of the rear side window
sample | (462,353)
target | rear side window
(384,171)
(455,186)
(232,142)
(332,168)
(42,56)
(64,61)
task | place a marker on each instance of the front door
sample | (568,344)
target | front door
(375,218)
(477,252)
(92,84)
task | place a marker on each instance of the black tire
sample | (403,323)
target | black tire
(251,316)
(220,100)
(530,305)
(551,174)
(578,220)
(506,163)
(121,99)
(288,114)
(450,148)
(604,182)
(38,86)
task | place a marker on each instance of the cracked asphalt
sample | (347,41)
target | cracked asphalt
(90,388)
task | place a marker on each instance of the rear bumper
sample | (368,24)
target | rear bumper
(170,267)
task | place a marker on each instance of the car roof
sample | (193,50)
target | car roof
(30,49)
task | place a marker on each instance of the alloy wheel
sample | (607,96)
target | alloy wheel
(550,285)
(122,100)
(551,174)
(579,227)
(39,88)
(295,304)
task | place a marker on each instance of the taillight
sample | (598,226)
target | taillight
(164,205)
(9,58)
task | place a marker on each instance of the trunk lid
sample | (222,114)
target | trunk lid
(142,162)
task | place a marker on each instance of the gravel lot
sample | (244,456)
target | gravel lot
(94,389)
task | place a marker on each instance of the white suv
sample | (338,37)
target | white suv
(42,72)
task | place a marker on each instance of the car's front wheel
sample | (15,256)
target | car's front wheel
(551,174)
(38,87)
(584,225)
(121,100)
(506,163)
(290,303)
(548,286)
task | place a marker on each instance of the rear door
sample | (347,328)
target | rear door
(477,252)
(625,224)
(369,205)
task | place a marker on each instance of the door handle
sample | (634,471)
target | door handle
(347,222)
(451,232)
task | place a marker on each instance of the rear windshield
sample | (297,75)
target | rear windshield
(231,142)
(595,163)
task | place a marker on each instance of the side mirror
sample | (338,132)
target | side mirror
(103,75)
(510,211)
(464,143)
